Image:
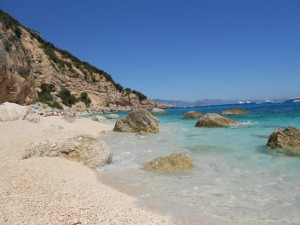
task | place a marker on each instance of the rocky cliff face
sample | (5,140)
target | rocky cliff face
(27,61)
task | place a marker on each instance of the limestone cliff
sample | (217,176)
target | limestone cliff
(27,61)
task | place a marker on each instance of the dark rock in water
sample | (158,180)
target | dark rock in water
(174,163)
(215,120)
(234,111)
(192,115)
(285,141)
(138,120)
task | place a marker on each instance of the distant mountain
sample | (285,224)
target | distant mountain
(207,102)
(203,102)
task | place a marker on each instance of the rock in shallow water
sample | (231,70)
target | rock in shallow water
(285,141)
(99,118)
(174,163)
(192,115)
(82,148)
(138,120)
(158,111)
(215,120)
(234,111)
(112,116)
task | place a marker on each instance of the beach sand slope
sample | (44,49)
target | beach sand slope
(55,190)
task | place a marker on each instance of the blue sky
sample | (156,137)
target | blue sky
(176,49)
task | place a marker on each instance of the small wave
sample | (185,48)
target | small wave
(249,123)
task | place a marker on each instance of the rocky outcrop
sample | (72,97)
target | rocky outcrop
(11,111)
(285,141)
(174,163)
(27,61)
(138,120)
(214,120)
(192,115)
(84,149)
(158,111)
(112,116)
(234,111)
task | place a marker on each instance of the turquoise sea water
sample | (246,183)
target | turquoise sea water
(235,180)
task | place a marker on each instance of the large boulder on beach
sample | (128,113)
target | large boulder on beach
(174,163)
(234,111)
(84,149)
(285,141)
(214,120)
(158,111)
(11,112)
(138,121)
(192,115)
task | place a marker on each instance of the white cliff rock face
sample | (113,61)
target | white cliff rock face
(84,149)
(11,111)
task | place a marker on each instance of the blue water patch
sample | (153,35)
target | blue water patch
(235,179)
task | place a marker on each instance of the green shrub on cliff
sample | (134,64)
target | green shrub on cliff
(140,95)
(10,23)
(119,87)
(85,98)
(55,105)
(67,98)
(127,91)
(45,95)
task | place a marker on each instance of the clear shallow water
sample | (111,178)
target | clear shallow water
(234,180)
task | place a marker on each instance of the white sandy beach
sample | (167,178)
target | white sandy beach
(55,190)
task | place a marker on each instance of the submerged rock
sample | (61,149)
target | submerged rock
(94,118)
(234,111)
(192,115)
(285,141)
(99,118)
(112,116)
(174,163)
(215,120)
(138,120)
(158,111)
(84,149)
